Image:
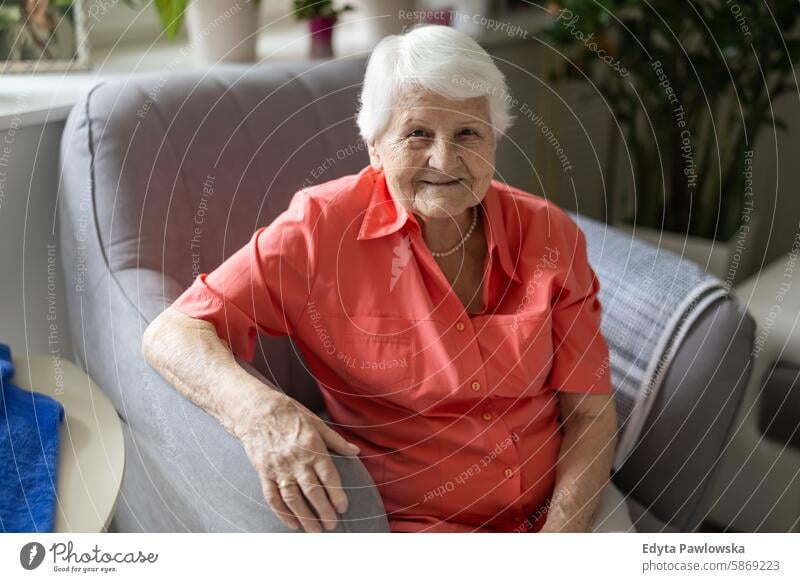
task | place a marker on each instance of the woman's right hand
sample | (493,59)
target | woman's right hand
(285,440)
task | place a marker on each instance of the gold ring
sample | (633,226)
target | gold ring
(283,483)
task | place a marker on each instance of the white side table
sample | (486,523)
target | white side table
(92,449)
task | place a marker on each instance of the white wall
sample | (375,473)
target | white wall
(33,312)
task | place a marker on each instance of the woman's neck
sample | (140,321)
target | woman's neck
(442,234)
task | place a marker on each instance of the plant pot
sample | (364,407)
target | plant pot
(465,15)
(379,18)
(320,29)
(222,31)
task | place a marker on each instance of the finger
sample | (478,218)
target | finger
(330,479)
(279,508)
(293,498)
(315,494)
(337,442)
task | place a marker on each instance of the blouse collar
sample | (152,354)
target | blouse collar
(385,216)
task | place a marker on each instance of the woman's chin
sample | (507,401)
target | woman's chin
(442,209)
(443,206)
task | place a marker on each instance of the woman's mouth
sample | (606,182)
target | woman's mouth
(441,184)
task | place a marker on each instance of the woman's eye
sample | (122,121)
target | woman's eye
(417,133)
(467,132)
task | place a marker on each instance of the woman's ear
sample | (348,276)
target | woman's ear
(374,156)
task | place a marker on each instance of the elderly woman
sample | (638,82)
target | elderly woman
(451,321)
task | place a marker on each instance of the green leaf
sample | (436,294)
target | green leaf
(171,13)
(306,9)
(8,15)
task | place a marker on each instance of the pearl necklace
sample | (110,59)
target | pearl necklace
(463,239)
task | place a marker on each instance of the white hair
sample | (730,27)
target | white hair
(438,58)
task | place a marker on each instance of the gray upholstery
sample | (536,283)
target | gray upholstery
(136,156)
(674,460)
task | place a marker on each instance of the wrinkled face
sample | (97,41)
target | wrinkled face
(438,155)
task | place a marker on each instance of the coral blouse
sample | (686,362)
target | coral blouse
(456,414)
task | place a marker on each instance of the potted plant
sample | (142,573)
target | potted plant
(219,30)
(322,17)
(380,18)
(691,88)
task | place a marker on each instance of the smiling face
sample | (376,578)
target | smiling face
(438,155)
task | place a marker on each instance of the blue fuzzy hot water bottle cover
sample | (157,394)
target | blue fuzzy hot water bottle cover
(29,425)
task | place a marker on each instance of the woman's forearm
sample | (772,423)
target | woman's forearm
(584,463)
(189,355)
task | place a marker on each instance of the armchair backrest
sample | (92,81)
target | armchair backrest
(180,169)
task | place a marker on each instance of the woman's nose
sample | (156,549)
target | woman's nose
(445,157)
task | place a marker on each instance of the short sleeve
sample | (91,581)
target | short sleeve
(581,360)
(262,287)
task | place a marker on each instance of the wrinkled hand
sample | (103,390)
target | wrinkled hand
(285,440)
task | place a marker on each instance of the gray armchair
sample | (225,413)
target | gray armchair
(165,176)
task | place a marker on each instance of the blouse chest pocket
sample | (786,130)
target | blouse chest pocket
(518,351)
(376,358)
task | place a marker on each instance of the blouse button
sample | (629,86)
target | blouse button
(476,385)
(460,326)
(509,473)
(487,416)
